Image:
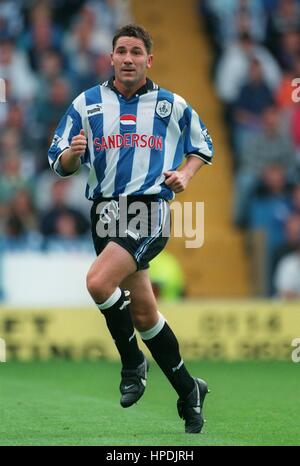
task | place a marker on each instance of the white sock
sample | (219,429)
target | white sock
(152,332)
(111,300)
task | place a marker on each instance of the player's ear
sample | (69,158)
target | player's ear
(111,58)
(149,60)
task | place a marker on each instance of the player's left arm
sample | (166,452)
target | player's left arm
(198,150)
(179,179)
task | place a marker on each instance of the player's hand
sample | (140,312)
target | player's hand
(177,180)
(78,144)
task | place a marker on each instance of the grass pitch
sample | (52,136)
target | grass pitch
(77,403)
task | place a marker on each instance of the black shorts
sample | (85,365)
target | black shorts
(140,224)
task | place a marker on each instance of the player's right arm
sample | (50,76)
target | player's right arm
(69,146)
(70,158)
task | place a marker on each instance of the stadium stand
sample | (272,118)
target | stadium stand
(247,217)
(261,107)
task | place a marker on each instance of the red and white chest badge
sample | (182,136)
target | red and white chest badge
(128,120)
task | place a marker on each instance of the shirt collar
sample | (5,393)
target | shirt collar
(147,87)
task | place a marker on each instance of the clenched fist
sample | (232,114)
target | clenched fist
(177,180)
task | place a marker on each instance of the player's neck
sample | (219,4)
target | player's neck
(128,91)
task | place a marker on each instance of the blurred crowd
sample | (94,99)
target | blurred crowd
(50,51)
(256,71)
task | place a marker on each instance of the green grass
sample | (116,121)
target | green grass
(77,403)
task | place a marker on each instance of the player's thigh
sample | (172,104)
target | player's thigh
(143,305)
(112,266)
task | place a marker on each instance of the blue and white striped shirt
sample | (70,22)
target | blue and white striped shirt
(131,142)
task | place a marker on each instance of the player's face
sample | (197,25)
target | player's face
(130,61)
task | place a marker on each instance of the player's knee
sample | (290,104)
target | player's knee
(143,319)
(138,322)
(98,288)
(92,283)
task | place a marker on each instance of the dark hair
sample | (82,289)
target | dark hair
(133,30)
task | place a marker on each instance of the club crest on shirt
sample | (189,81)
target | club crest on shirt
(163,108)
